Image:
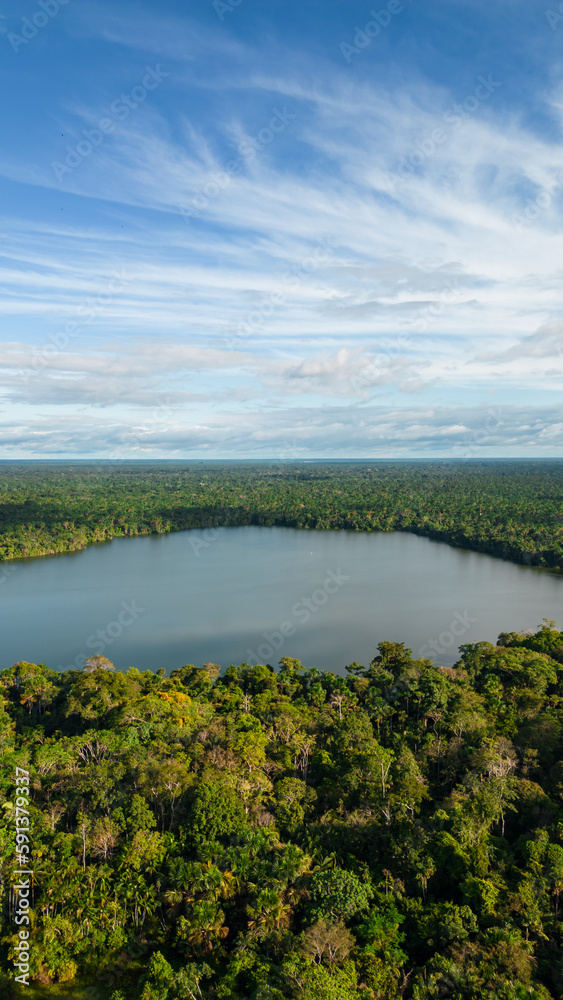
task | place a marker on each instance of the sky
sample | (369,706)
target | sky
(269,229)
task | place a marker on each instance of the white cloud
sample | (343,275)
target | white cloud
(470,432)
(427,285)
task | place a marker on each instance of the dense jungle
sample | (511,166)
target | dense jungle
(276,832)
(510,509)
(289,833)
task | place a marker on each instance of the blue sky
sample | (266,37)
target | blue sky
(265,229)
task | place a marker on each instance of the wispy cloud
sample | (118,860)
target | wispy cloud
(428,287)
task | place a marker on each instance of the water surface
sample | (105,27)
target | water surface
(232,594)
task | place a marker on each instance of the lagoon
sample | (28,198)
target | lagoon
(227,595)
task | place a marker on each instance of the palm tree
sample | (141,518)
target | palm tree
(204,926)
(214,884)
(270,911)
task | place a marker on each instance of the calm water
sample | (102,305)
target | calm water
(234,594)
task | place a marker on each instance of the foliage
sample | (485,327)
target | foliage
(217,811)
(337,895)
(509,509)
(186,848)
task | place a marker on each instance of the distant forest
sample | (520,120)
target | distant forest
(513,510)
(290,834)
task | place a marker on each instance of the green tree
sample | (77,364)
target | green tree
(216,812)
(157,982)
(337,895)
